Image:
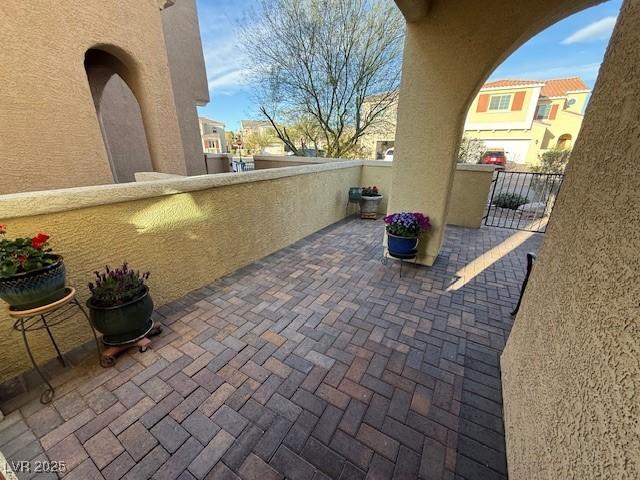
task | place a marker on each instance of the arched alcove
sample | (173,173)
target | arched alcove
(564,142)
(118,114)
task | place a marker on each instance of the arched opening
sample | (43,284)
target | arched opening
(564,142)
(118,114)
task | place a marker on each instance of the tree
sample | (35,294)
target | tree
(552,161)
(255,142)
(471,150)
(317,61)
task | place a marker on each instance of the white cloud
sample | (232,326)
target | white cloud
(599,30)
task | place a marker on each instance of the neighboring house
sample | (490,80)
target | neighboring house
(261,129)
(212,133)
(523,117)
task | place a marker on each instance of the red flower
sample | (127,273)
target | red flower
(3,229)
(39,240)
(22,259)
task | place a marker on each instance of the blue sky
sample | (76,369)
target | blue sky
(572,47)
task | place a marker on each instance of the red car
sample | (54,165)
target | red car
(494,157)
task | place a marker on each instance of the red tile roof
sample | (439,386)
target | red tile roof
(552,88)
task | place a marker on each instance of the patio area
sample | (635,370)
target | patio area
(315,362)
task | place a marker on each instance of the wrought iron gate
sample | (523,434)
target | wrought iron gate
(522,200)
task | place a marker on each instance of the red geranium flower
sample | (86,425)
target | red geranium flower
(39,240)
(3,229)
(22,259)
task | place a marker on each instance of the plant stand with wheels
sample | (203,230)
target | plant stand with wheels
(45,317)
(111,353)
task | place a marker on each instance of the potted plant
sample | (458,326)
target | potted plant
(120,305)
(30,274)
(369,202)
(404,230)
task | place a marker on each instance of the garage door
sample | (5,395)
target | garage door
(515,150)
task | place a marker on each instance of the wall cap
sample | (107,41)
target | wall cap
(475,168)
(25,204)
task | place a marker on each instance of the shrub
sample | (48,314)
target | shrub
(509,200)
(117,287)
(471,150)
(22,255)
(552,161)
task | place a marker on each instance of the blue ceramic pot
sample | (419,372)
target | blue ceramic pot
(401,245)
(36,288)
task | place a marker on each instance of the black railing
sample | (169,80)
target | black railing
(522,200)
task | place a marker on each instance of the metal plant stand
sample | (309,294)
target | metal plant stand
(45,317)
(531,257)
(402,257)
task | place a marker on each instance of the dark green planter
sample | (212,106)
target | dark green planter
(124,323)
(35,288)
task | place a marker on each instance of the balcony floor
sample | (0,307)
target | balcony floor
(315,362)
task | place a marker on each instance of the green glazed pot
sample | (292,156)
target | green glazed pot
(36,288)
(124,323)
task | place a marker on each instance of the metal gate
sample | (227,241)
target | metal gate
(522,200)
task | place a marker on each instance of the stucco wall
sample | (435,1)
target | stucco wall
(48,124)
(469,193)
(187,232)
(378,174)
(571,367)
(188,76)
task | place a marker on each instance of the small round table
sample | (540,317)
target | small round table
(45,317)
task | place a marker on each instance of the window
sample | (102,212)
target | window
(500,102)
(543,111)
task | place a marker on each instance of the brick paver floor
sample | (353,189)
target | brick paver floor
(317,362)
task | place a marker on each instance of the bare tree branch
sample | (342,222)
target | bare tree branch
(318,62)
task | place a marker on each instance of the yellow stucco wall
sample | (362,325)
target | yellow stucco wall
(469,193)
(186,239)
(492,116)
(571,366)
(50,133)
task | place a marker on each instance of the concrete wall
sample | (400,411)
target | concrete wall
(571,371)
(187,232)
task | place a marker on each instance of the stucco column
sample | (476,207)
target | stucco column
(160,118)
(570,370)
(450,50)
(431,111)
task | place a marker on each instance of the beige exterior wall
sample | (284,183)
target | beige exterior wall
(48,124)
(571,375)
(469,193)
(188,76)
(187,232)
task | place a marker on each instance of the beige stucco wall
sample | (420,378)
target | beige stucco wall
(469,193)
(571,366)
(188,76)
(187,232)
(48,126)
(123,131)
